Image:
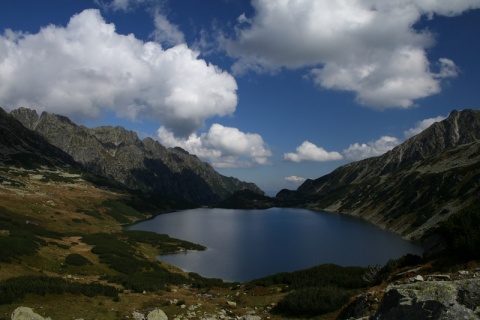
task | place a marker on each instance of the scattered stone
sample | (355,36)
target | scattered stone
(418,278)
(157,314)
(50,203)
(24,313)
(438,277)
(231,303)
(138,316)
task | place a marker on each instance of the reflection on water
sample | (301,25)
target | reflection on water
(248,244)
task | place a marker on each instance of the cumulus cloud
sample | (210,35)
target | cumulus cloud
(86,68)
(295,179)
(422,125)
(358,151)
(223,147)
(308,151)
(368,47)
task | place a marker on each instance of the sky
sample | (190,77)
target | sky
(268,91)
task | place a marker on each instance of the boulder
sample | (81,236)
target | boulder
(24,313)
(440,300)
(157,314)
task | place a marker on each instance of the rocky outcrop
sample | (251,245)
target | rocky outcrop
(411,188)
(442,300)
(119,154)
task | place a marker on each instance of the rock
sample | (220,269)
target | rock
(231,303)
(440,300)
(418,278)
(24,313)
(137,315)
(436,277)
(251,317)
(157,314)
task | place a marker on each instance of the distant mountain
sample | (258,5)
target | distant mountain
(119,154)
(411,188)
(22,147)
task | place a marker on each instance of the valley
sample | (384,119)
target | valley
(62,236)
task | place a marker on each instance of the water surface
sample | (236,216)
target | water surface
(249,244)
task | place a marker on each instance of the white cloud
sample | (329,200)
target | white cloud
(358,151)
(422,125)
(295,179)
(86,68)
(223,147)
(165,32)
(368,47)
(308,151)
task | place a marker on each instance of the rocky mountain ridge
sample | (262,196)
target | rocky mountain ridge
(119,154)
(20,146)
(408,190)
(411,188)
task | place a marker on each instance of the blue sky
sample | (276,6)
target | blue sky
(272,92)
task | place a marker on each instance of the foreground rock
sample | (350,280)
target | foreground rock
(24,313)
(458,299)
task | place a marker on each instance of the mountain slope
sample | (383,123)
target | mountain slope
(410,188)
(119,154)
(22,147)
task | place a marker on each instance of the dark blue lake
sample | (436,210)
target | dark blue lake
(249,244)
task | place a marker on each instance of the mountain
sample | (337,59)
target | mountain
(22,147)
(411,188)
(119,154)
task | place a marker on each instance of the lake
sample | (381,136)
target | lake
(247,244)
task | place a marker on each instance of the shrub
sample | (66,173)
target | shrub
(313,301)
(319,276)
(120,211)
(75,259)
(17,288)
(462,233)
(17,244)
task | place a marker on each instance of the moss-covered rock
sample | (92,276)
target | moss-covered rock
(458,299)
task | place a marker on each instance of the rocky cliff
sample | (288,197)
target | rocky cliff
(119,154)
(411,188)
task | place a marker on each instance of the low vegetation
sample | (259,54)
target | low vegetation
(75,259)
(317,290)
(17,288)
(462,234)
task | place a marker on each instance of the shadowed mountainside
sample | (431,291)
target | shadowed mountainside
(408,190)
(119,154)
(411,188)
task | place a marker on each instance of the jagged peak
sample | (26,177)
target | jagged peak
(180,150)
